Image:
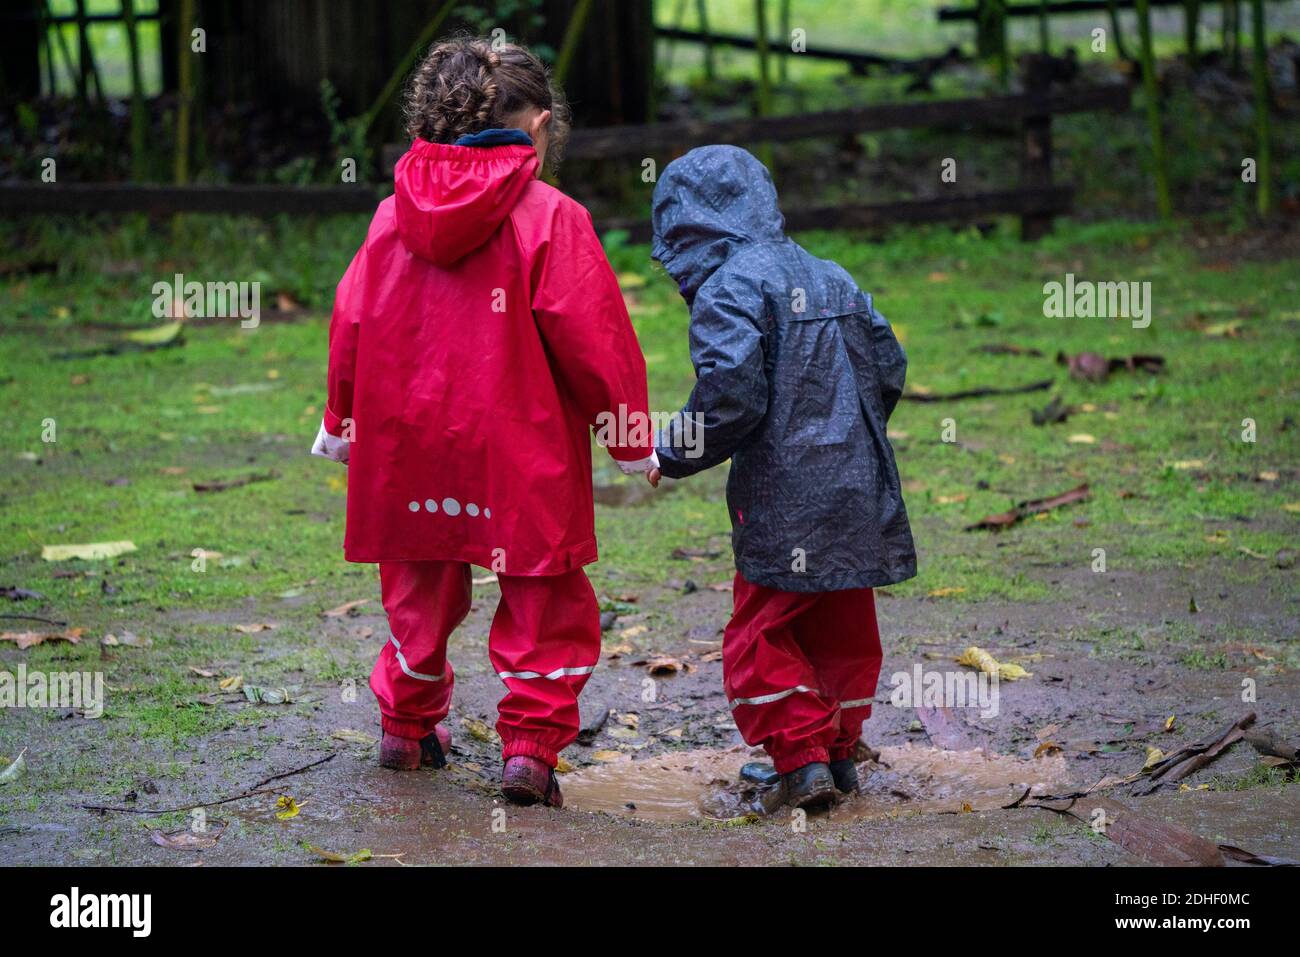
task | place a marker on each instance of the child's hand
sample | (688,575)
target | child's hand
(653,477)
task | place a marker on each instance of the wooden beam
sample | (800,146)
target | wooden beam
(21,198)
(997,111)
(1054,200)
(858,58)
(1054,8)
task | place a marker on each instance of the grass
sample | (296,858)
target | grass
(133,431)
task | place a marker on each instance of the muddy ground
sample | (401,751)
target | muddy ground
(656,784)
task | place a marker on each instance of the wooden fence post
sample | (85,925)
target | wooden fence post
(1036,144)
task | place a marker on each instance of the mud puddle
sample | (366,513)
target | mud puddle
(705,785)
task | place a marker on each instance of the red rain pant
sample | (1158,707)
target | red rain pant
(544,644)
(800,670)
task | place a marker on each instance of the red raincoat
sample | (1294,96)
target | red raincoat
(477,335)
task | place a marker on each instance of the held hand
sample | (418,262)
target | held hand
(653,477)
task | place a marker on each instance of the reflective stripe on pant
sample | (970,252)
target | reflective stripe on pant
(413,679)
(800,670)
(544,643)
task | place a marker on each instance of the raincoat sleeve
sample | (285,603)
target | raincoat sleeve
(731,388)
(348,306)
(583,320)
(891,361)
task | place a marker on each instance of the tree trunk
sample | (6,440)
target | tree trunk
(1259,33)
(139,117)
(1112,8)
(763,98)
(1151,88)
(1192,30)
(184,91)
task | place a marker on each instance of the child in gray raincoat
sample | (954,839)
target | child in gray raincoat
(797,375)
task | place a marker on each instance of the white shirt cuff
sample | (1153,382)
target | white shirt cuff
(331,447)
(651,461)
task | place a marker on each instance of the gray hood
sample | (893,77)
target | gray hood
(706,205)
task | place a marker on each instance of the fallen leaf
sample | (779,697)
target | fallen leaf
(26,639)
(480,731)
(169,333)
(287,807)
(344,609)
(233,683)
(188,840)
(94,551)
(14,768)
(945,592)
(1082,438)
(259,695)
(334,858)
(663,665)
(127,639)
(351,736)
(254,628)
(608,756)
(975,657)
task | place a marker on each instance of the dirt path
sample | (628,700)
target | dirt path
(1113,657)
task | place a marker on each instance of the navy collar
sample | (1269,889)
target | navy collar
(495,137)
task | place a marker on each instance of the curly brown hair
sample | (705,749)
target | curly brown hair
(463,86)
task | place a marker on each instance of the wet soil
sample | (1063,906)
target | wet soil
(658,783)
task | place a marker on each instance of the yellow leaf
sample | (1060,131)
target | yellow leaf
(288,807)
(1169,722)
(1185,464)
(945,592)
(1292,506)
(91,552)
(1154,757)
(975,657)
(608,756)
(1082,438)
(480,731)
(233,683)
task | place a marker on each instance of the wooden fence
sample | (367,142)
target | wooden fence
(1037,199)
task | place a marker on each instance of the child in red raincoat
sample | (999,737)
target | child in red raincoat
(477,336)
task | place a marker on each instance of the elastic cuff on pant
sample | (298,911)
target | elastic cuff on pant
(785,763)
(405,729)
(530,749)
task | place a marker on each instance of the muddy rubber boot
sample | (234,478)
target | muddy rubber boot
(528,781)
(845,773)
(810,786)
(407,754)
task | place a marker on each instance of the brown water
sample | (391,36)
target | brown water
(705,785)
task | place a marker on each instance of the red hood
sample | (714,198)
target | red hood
(450,199)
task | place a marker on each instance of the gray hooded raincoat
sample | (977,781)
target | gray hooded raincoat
(797,375)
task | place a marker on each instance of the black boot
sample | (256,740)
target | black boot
(845,773)
(810,786)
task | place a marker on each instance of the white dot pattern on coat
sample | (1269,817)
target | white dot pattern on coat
(450,506)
